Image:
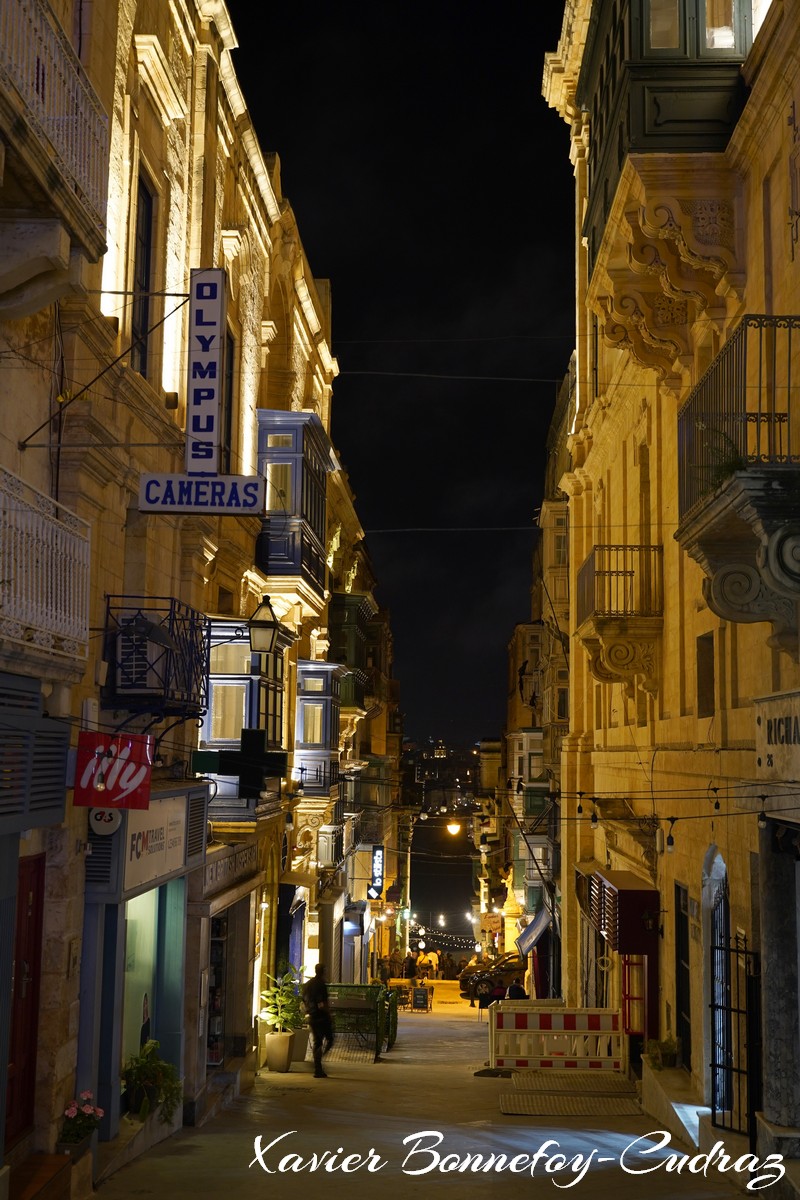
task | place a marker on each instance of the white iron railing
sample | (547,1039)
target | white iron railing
(44,572)
(38,62)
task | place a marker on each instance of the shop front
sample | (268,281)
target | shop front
(134,938)
(225,931)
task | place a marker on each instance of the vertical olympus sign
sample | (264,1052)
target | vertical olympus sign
(202,489)
(206,370)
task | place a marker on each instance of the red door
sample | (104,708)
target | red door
(25,998)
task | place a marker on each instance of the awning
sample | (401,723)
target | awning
(533,931)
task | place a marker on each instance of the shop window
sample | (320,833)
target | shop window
(215,1041)
(141,931)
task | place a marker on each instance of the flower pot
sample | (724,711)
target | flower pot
(279,1048)
(75,1150)
(141,1101)
(301,1037)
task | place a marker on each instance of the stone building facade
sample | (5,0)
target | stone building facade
(122,621)
(679,821)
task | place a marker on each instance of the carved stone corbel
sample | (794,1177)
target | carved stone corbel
(625,655)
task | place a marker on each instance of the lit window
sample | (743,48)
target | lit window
(664,24)
(719,24)
(312,724)
(228,711)
(279,487)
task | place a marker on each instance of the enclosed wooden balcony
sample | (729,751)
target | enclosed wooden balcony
(620,605)
(739,476)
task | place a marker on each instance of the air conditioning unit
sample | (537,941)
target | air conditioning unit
(139,664)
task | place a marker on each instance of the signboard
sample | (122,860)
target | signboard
(221,494)
(206,376)
(778,736)
(155,842)
(376,885)
(202,489)
(104,821)
(113,768)
(420,998)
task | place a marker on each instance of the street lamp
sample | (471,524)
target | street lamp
(263,628)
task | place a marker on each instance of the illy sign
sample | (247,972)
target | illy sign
(113,771)
(206,373)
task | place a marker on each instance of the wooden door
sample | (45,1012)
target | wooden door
(26,981)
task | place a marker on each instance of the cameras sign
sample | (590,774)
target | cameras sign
(202,489)
(376,886)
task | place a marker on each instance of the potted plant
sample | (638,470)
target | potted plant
(151,1083)
(282,1011)
(663,1053)
(81,1118)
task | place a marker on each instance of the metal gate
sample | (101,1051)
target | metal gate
(735,1025)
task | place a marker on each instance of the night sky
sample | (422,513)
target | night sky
(432,186)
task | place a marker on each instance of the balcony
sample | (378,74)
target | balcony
(44,583)
(739,486)
(157,650)
(56,170)
(620,607)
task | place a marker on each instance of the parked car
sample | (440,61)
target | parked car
(500,974)
(487,966)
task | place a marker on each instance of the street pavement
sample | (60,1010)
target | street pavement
(416,1120)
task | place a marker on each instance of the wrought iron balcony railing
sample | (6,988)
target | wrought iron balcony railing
(621,581)
(158,650)
(44,573)
(744,412)
(39,64)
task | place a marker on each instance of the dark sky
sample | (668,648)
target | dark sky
(432,186)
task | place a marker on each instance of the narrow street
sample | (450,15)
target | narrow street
(404,1114)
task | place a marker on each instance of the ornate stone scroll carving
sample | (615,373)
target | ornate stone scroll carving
(625,652)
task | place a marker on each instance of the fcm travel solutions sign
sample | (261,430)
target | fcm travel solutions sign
(202,489)
(155,842)
(778,736)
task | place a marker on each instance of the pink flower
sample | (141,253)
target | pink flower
(87,1108)
(99,1112)
(72,1111)
(86,1095)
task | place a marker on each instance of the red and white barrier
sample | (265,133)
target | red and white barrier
(525,1034)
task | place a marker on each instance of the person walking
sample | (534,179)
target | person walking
(315,999)
(433,959)
(409,966)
